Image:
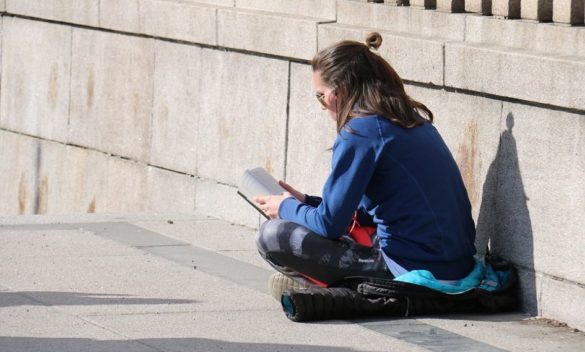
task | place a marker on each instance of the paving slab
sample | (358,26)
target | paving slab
(147,288)
(29,325)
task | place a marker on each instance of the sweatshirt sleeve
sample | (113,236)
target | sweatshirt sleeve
(354,162)
(313,201)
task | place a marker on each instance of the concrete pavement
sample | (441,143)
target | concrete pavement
(177,282)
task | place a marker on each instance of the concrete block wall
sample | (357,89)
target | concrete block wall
(159,105)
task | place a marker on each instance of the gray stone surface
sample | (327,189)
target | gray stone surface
(36,68)
(307,168)
(120,298)
(402,19)
(211,234)
(538,10)
(126,189)
(470,127)
(85,12)
(70,221)
(2,5)
(111,98)
(52,193)
(270,33)
(309,8)
(568,11)
(515,73)
(236,242)
(80,185)
(540,192)
(120,15)
(180,20)
(239,334)
(556,298)
(243,115)
(86,181)
(176,110)
(415,58)
(58,243)
(213,198)
(28,326)
(560,40)
(170,191)
(18,170)
(529,334)
(506,8)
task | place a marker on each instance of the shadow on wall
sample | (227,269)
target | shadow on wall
(504,220)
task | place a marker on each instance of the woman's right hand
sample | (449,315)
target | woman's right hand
(290,189)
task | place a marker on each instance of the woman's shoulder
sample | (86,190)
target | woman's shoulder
(370,126)
(361,132)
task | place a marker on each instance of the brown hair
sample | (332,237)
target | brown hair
(367,83)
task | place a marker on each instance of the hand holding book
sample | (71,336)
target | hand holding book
(264,192)
(290,189)
(270,204)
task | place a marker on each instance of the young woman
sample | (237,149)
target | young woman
(390,170)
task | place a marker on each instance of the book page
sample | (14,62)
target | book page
(258,182)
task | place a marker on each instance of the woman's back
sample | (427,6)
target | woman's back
(416,196)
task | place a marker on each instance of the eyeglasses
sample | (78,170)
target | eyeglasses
(321,97)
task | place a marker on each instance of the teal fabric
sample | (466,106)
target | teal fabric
(483,276)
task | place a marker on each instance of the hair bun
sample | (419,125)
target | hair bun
(374,40)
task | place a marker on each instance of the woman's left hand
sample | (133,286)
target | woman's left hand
(270,204)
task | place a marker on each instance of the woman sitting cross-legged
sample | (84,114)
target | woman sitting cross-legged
(390,171)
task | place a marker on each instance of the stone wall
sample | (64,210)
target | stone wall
(159,105)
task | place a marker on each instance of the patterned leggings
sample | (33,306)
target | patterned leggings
(295,250)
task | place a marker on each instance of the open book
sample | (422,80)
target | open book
(258,182)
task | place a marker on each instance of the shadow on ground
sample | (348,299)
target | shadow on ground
(29,344)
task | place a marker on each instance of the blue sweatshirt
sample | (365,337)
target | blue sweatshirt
(407,184)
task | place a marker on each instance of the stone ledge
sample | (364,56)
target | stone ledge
(415,58)
(84,12)
(325,9)
(516,73)
(544,37)
(269,33)
(120,15)
(405,19)
(178,20)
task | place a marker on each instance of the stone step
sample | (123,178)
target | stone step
(516,73)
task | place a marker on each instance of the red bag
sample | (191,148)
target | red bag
(361,234)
